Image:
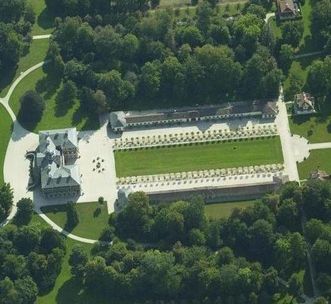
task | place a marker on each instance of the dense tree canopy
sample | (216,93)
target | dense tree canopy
(145,60)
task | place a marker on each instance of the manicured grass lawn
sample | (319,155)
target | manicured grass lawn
(306,44)
(198,157)
(5,133)
(91,223)
(224,210)
(174,3)
(318,159)
(54,116)
(275,28)
(37,53)
(316,128)
(44,21)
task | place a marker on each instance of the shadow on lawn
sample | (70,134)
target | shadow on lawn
(71,292)
(90,117)
(45,20)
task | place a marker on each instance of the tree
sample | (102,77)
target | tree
(321,300)
(117,90)
(261,240)
(204,14)
(319,77)
(261,76)
(13,266)
(190,35)
(247,30)
(295,285)
(315,229)
(169,225)
(285,57)
(72,215)
(288,214)
(27,239)
(157,270)
(296,83)
(27,290)
(11,10)
(225,256)
(150,79)
(256,10)
(155,3)
(321,16)
(321,253)
(292,32)
(50,239)
(8,292)
(134,220)
(32,108)
(6,200)
(67,94)
(100,101)
(11,44)
(77,260)
(24,211)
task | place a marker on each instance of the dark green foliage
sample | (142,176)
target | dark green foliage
(156,57)
(248,256)
(26,268)
(6,200)
(292,32)
(319,77)
(72,216)
(32,108)
(51,239)
(78,259)
(24,211)
(10,47)
(27,290)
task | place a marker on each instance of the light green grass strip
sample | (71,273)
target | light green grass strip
(5,133)
(198,157)
(224,210)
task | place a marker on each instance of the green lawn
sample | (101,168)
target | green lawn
(275,28)
(174,3)
(224,210)
(316,128)
(54,116)
(44,21)
(5,133)
(37,53)
(198,157)
(318,159)
(91,223)
(306,44)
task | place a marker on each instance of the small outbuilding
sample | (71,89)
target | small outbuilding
(288,10)
(304,103)
(319,175)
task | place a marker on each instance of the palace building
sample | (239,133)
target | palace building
(55,166)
